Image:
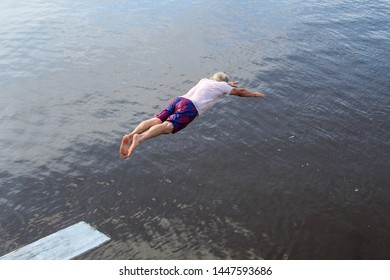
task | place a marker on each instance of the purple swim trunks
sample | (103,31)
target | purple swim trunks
(180,112)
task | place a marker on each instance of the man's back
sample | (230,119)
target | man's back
(206,93)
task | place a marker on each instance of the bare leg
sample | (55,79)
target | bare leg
(154,131)
(142,127)
(145,125)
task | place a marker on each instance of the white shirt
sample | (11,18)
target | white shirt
(206,93)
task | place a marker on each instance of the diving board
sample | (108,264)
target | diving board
(65,244)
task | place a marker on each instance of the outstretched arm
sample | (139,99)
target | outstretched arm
(243,92)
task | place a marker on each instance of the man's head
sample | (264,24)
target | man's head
(220,77)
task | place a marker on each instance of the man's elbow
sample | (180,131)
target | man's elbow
(238,92)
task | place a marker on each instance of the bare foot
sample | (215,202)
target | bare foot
(134,144)
(125,145)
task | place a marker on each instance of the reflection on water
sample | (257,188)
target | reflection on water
(302,174)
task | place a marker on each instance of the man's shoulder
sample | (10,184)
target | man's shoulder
(204,80)
(216,84)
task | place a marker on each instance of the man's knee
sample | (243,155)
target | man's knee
(168,127)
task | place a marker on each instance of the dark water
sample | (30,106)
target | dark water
(302,174)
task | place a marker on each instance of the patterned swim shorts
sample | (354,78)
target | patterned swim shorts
(180,112)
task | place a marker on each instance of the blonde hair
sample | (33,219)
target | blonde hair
(220,77)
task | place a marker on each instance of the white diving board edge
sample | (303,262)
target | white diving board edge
(64,244)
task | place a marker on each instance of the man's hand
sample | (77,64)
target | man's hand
(259,94)
(233,84)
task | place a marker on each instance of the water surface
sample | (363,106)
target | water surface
(301,174)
